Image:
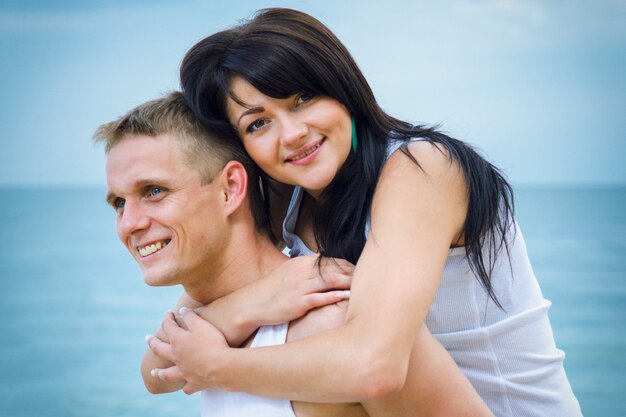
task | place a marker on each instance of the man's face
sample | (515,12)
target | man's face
(167,219)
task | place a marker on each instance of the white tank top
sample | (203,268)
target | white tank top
(509,355)
(238,404)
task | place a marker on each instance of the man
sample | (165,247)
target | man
(188,214)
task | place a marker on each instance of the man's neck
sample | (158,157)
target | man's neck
(244,260)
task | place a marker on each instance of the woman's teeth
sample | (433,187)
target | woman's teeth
(307,152)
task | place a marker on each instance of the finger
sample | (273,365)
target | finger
(321,299)
(171,374)
(179,318)
(332,281)
(190,318)
(161,349)
(190,389)
(170,327)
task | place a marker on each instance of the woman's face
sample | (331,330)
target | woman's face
(299,140)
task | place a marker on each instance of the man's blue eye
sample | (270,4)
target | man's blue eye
(154,191)
(119,203)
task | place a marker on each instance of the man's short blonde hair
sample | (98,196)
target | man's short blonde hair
(205,151)
(170,115)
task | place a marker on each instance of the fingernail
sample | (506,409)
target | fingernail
(344,294)
(198,310)
(183,311)
(148,338)
(154,373)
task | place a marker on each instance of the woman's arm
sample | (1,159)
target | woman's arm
(434,387)
(417,214)
(296,287)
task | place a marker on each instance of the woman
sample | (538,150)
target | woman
(427,221)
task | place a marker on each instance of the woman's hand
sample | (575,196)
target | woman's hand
(296,287)
(286,294)
(193,347)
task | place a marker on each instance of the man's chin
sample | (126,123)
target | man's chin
(158,280)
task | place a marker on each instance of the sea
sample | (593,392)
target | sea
(74,308)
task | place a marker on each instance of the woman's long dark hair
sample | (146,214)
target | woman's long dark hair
(282,52)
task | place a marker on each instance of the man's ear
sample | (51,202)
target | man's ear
(235,186)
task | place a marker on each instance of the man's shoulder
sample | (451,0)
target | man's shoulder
(318,320)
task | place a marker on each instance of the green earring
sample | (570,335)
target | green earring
(354,139)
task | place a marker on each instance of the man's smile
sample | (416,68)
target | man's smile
(152,248)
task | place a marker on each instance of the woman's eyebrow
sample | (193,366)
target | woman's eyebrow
(251,110)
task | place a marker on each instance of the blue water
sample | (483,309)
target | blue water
(75,310)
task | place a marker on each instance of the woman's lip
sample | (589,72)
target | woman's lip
(301,154)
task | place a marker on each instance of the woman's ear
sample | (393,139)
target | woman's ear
(235,186)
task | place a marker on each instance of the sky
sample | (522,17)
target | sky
(537,86)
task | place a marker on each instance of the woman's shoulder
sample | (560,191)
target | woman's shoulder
(421,181)
(422,158)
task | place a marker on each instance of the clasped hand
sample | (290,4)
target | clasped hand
(197,347)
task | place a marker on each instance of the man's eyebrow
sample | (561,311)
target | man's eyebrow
(110,198)
(251,110)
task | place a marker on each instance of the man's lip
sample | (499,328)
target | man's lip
(303,150)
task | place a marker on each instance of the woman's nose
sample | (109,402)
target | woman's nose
(294,132)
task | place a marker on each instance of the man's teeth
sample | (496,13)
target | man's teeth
(150,249)
(305,153)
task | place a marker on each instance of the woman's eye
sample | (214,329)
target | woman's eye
(303,98)
(256,125)
(154,191)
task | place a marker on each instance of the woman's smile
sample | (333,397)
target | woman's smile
(306,154)
(301,140)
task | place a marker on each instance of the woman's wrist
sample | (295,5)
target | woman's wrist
(233,316)
(224,369)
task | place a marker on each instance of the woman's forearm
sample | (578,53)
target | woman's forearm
(345,372)
(429,384)
(288,293)
(234,318)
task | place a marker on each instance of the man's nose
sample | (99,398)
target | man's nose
(132,219)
